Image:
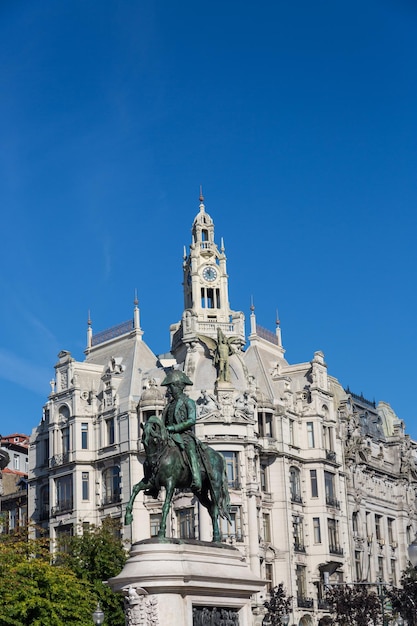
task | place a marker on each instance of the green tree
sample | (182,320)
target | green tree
(95,556)
(34,592)
(355,605)
(279,604)
(404,599)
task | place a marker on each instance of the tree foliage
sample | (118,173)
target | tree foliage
(404,599)
(354,605)
(35,592)
(278,604)
(39,589)
(95,556)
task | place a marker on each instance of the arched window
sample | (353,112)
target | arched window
(111,485)
(295,484)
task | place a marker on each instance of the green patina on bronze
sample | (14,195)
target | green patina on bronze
(176,459)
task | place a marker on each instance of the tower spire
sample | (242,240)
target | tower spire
(136,315)
(252,317)
(89,331)
(202,207)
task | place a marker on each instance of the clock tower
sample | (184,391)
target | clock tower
(206,297)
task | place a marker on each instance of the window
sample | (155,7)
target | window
(84,436)
(16,462)
(390,526)
(313,483)
(232,530)
(231,459)
(291,428)
(65,441)
(295,487)
(62,537)
(355,523)
(155,522)
(263,468)
(300,574)
(380,572)
(378,529)
(45,452)
(310,435)
(328,438)
(298,534)
(110,431)
(111,485)
(44,503)
(269,577)
(85,486)
(185,522)
(358,566)
(265,423)
(333,532)
(266,527)
(316,530)
(393,574)
(330,490)
(13,518)
(63,487)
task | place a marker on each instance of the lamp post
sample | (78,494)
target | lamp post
(98,615)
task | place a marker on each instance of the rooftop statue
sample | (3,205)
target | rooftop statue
(176,459)
(220,349)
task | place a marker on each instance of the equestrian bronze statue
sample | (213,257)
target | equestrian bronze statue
(176,459)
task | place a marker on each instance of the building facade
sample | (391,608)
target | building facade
(13,481)
(322,482)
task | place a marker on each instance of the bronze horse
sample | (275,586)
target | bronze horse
(166,467)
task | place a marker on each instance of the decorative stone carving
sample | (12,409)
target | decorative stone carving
(206,404)
(204,616)
(140,609)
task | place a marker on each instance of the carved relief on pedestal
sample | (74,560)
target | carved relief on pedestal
(140,609)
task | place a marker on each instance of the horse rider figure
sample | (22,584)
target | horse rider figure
(179,417)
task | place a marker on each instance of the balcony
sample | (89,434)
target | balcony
(299,547)
(336,550)
(324,605)
(111,498)
(331,456)
(59,459)
(65,506)
(330,501)
(305,603)
(295,497)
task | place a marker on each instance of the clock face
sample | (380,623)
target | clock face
(209,273)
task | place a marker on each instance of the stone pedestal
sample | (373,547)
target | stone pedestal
(193,583)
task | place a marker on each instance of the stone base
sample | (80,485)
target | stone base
(186,584)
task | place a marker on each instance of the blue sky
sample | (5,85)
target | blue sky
(299,120)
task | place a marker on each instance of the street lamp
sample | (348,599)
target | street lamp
(98,615)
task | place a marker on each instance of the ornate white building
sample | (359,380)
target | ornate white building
(322,482)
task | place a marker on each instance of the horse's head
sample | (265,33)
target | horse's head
(154,432)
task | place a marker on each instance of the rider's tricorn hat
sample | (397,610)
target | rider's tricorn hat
(176,376)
